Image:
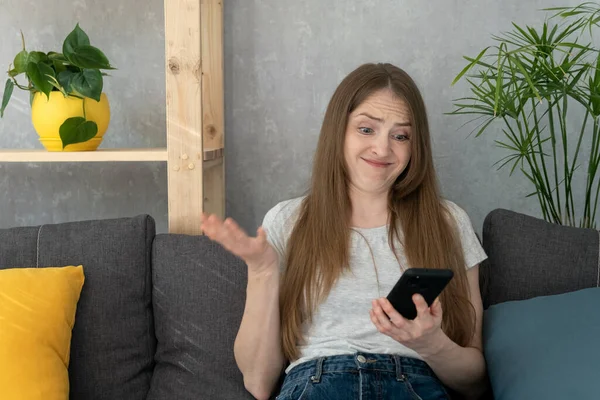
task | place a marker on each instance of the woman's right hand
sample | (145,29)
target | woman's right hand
(257,252)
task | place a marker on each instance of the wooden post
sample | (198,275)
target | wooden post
(194,101)
(211,23)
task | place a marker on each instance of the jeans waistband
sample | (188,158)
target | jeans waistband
(360,361)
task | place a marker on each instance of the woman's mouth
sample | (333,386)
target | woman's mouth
(376,164)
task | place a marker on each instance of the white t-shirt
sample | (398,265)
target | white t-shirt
(341,324)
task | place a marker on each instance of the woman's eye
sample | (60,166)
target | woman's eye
(365,131)
(400,137)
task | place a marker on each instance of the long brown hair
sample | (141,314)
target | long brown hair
(318,247)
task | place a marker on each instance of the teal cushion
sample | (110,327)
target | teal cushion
(546,347)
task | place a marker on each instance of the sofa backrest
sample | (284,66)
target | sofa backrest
(199,291)
(529,257)
(113,344)
(188,293)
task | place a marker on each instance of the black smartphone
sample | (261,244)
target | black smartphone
(429,283)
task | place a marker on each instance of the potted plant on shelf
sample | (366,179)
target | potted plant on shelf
(69,111)
(541,89)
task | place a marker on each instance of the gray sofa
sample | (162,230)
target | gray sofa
(158,314)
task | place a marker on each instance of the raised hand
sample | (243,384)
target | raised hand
(257,252)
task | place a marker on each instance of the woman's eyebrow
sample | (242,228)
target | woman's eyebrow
(381,120)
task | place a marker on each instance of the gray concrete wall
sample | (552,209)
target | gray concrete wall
(283,59)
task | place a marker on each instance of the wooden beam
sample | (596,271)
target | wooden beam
(99,155)
(211,22)
(184,115)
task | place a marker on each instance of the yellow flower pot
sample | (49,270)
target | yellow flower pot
(47,115)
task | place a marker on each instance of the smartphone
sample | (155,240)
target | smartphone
(429,283)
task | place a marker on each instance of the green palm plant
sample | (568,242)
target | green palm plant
(530,82)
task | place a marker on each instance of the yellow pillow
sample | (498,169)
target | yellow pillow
(37,313)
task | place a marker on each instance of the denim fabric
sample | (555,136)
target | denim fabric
(362,376)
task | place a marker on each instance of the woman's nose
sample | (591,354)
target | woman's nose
(381,145)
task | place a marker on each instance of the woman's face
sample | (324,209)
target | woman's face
(377,144)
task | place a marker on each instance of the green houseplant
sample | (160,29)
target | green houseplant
(68,105)
(536,85)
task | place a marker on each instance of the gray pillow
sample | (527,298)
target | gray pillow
(544,348)
(529,257)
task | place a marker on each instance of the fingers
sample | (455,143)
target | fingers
(380,318)
(233,230)
(261,234)
(375,321)
(394,316)
(421,305)
(210,225)
(416,334)
(436,308)
(225,232)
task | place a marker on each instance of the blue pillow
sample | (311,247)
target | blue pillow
(544,348)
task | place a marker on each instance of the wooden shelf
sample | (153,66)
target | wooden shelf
(100,155)
(195,122)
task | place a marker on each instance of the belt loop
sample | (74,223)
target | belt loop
(398,363)
(316,378)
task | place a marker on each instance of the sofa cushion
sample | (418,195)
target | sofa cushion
(529,257)
(198,298)
(544,348)
(113,345)
(37,313)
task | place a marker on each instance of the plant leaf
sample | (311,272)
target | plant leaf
(58,66)
(555,9)
(595,89)
(478,62)
(484,126)
(57,85)
(58,61)
(499,78)
(38,73)
(568,30)
(552,33)
(52,55)
(89,57)
(505,160)
(475,106)
(596,81)
(65,78)
(88,83)
(571,13)
(534,34)
(77,130)
(528,39)
(21,61)
(465,69)
(36,57)
(8,89)
(75,39)
(527,77)
(574,45)
(508,146)
(532,194)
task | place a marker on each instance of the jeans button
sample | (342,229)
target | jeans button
(361,359)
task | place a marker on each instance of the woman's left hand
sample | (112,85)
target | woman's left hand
(422,334)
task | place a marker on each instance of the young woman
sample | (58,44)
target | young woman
(320,266)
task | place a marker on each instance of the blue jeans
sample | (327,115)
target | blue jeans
(362,376)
